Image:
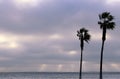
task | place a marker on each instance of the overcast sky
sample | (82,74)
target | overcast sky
(40,35)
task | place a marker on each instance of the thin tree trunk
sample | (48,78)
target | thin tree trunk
(101,59)
(80,74)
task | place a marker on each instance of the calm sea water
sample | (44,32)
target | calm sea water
(53,75)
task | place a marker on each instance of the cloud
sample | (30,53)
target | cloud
(25,3)
(112,2)
(43,37)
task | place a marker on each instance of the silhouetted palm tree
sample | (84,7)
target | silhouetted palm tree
(83,36)
(106,22)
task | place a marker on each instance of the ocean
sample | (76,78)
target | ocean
(57,75)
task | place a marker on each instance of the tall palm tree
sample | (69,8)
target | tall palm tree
(83,36)
(106,23)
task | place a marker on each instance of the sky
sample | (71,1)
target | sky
(40,35)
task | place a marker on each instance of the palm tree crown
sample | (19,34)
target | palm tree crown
(83,35)
(106,22)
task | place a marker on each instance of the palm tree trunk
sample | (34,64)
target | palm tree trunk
(80,74)
(101,59)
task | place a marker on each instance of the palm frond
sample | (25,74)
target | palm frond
(79,34)
(105,15)
(82,30)
(100,17)
(111,25)
(87,37)
(110,17)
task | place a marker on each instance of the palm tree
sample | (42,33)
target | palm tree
(106,22)
(83,36)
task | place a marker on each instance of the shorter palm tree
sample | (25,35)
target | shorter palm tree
(83,36)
